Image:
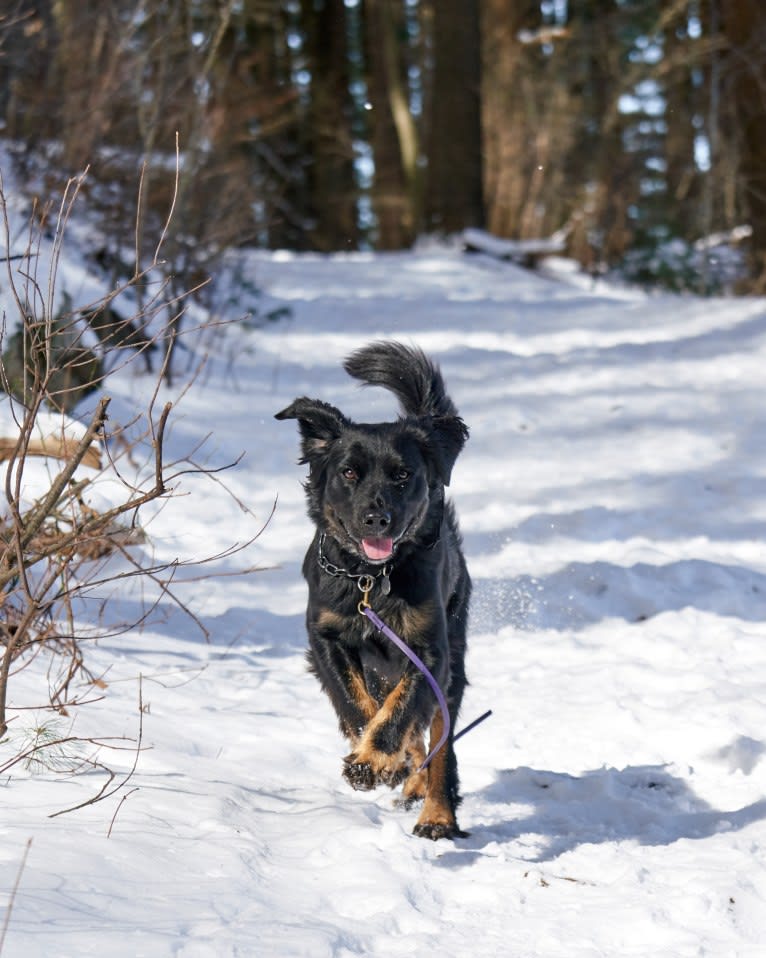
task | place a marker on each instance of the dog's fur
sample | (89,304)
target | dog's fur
(376,495)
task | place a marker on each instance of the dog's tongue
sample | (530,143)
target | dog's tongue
(378,549)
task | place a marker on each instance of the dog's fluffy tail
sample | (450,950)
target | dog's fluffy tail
(407,372)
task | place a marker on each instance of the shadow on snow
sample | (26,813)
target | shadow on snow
(546,814)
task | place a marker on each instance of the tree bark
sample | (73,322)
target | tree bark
(745,29)
(392,135)
(504,124)
(331,187)
(455,194)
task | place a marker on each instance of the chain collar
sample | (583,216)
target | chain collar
(364,580)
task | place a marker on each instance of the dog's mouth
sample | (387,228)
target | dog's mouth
(378,548)
(381,548)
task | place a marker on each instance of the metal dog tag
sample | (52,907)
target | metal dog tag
(385,584)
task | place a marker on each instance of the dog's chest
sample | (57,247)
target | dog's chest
(382,668)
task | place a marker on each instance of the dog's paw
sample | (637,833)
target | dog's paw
(369,769)
(437,830)
(414,790)
(393,776)
(359,775)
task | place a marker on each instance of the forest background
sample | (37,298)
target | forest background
(624,127)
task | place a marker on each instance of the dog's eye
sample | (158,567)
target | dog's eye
(402,475)
(350,474)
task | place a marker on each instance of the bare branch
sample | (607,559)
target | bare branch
(32,521)
(14,891)
(106,792)
(166,227)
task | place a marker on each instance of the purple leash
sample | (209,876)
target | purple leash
(419,664)
(366,583)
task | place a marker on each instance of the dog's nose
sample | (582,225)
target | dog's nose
(377,522)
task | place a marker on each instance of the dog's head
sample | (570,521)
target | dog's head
(375,486)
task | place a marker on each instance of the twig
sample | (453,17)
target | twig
(166,227)
(139,223)
(116,811)
(14,890)
(57,742)
(106,792)
(68,200)
(99,520)
(35,519)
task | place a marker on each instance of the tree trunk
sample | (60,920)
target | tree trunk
(454,192)
(331,187)
(684,102)
(745,29)
(503,116)
(393,135)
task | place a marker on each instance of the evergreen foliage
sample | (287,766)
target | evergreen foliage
(345,124)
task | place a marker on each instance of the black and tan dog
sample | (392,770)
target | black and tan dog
(376,495)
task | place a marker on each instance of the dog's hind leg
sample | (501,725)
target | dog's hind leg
(438,816)
(437,819)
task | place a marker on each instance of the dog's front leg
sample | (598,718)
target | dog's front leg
(382,754)
(341,677)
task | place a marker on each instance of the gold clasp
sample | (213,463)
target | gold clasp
(365,583)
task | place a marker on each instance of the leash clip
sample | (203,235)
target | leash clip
(365,584)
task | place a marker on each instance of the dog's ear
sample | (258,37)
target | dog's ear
(319,422)
(446,437)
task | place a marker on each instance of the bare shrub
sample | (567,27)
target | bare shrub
(55,544)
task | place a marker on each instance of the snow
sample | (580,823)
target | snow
(612,498)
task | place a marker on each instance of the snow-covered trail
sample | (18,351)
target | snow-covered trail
(613,502)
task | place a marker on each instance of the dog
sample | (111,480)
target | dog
(376,495)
